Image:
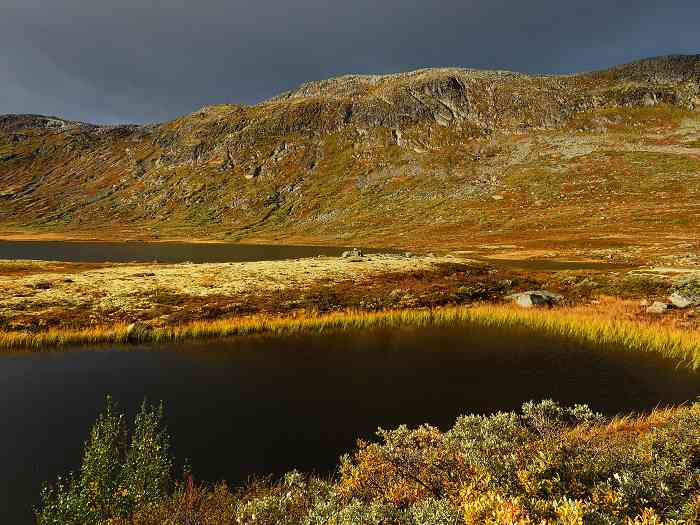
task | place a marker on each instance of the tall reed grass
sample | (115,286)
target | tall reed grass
(576,323)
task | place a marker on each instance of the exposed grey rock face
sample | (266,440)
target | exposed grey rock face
(681,300)
(535,298)
(658,307)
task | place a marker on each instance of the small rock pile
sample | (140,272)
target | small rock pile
(678,300)
(353,255)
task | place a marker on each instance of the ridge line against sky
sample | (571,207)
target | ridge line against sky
(150,61)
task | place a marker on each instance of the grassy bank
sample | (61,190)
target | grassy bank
(576,322)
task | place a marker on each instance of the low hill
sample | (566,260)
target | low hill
(427,159)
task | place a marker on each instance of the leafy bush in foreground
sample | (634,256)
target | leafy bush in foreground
(117,476)
(546,464)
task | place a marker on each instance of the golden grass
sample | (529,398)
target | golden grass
(642,423)
(579,323)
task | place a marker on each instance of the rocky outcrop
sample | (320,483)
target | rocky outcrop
(353,255)
(535,298)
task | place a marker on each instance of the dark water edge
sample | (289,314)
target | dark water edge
(166,252)
(261,405)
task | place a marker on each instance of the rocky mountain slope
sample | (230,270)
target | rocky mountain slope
(436,157)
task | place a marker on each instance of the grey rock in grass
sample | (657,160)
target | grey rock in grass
(658,307)
(535,298)
(681,300)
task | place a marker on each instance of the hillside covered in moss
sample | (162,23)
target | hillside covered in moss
(436,157)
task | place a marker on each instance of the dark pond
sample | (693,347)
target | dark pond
(168,252)
(264,405)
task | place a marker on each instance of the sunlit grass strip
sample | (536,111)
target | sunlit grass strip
(52,338)
(574,323)
(579,324)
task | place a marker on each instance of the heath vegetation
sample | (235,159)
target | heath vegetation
(546,464)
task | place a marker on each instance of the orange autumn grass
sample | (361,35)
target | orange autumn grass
(597,326)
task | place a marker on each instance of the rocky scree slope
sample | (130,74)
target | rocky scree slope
(414,159)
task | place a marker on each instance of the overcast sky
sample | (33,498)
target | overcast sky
(149,60)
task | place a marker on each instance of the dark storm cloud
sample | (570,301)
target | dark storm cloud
(148,60)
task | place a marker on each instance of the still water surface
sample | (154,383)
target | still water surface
(177,252)
(167,252)
(263,405)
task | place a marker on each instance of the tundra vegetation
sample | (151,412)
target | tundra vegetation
(546,464)
(49,305)
(431,159)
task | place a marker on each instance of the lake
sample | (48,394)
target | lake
(263,405)
(167,252)
(177,252)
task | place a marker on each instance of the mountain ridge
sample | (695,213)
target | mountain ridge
(677,67)
(336,160)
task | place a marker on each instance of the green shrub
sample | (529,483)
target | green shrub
(117,477)
(689,286)
(547,417)
(638,285)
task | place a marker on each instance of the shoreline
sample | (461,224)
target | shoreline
(570,322)
(564,247)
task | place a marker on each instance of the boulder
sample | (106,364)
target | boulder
(658,307)
(535,298)
(530,300)
(682,300)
